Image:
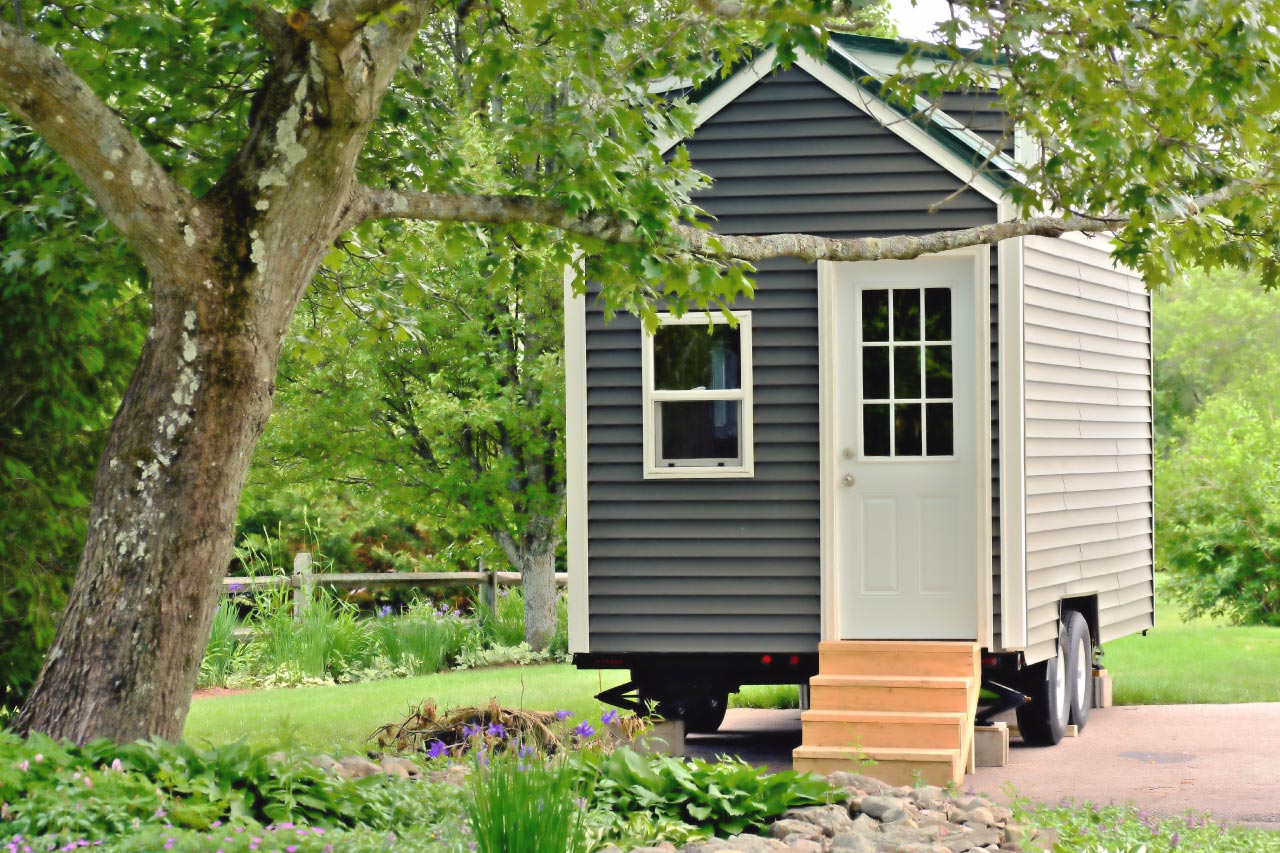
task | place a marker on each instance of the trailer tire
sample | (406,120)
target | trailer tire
(702,712)
(1043,720)
(1079,668)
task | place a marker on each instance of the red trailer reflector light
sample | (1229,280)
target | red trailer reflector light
(766,659)
(794,660)
(989,660)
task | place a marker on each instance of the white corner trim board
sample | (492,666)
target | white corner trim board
(575,436)
(1013,448)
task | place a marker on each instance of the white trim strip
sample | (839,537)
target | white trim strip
(828,523)
(575,437)
(982,340)
(1013,448)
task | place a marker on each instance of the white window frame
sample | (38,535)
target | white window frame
(743,395)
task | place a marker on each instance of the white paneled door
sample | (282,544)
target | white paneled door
(906,436)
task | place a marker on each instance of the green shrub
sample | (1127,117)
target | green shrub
(220,656)
(503,623)
(519,800)
(1092,828)
(727,797)
(103,790)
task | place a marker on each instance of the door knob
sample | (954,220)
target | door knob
(848,479)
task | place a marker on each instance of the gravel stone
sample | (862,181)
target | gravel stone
(885,809)
(355,767)
(852,842)
(831,820)
(790,827)
(981,815)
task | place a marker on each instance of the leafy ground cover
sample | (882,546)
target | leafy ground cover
(1090,828)
(1201,660)
(340,716)
(159,796)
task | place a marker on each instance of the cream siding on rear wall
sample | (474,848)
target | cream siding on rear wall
(1088,439)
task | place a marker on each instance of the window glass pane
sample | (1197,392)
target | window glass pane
(906,371)
(906,315)
(687,357)
(875,373)
(937,371)
(941,428)
(937,313)
(906,430)
(875,430)
(703,429)
(875,315)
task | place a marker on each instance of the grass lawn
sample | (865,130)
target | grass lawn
(1198,661)
(340,717)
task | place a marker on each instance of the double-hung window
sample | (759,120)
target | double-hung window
(697,397)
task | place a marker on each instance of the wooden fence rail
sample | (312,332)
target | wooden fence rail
(304,581)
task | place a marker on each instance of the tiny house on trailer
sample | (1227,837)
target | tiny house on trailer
(890,482)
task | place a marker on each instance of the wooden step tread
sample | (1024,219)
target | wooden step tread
(879,753)
(819,715)
(897,646)
(943,682)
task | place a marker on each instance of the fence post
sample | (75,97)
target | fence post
(304,585)
(489,588)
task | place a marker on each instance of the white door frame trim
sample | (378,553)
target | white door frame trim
(827,375)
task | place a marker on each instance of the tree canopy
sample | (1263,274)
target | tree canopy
(231,179)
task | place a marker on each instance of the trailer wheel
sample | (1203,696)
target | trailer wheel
(1079,668)
(706,713)
(702,712)
(1043,720)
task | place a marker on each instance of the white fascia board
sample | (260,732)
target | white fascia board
(575,437)
(942,119)
(727,92)
(904,128)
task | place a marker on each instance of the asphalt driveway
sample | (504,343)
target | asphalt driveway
(1167,759)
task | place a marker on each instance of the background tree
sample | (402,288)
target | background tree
(1217,469)
(436,386)
(73,320)
(1218,500)
(1159,128)
(1212,330)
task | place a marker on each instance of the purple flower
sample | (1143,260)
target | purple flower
(437,750)
(384,611)
(609,718)
(584,730)
(563,715)
(497,730)
(471,730)
(526,750)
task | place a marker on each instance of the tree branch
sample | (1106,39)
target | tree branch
(739,10)
(336,24)
(501,210)
(135,192)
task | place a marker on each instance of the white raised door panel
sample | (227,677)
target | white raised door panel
(906,442)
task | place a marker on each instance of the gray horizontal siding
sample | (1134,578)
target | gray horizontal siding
(732,565)
(1088,438)
(982,113)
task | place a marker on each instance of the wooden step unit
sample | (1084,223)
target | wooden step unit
(908,706)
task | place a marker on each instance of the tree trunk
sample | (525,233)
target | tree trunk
(538,576)
(128,650)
